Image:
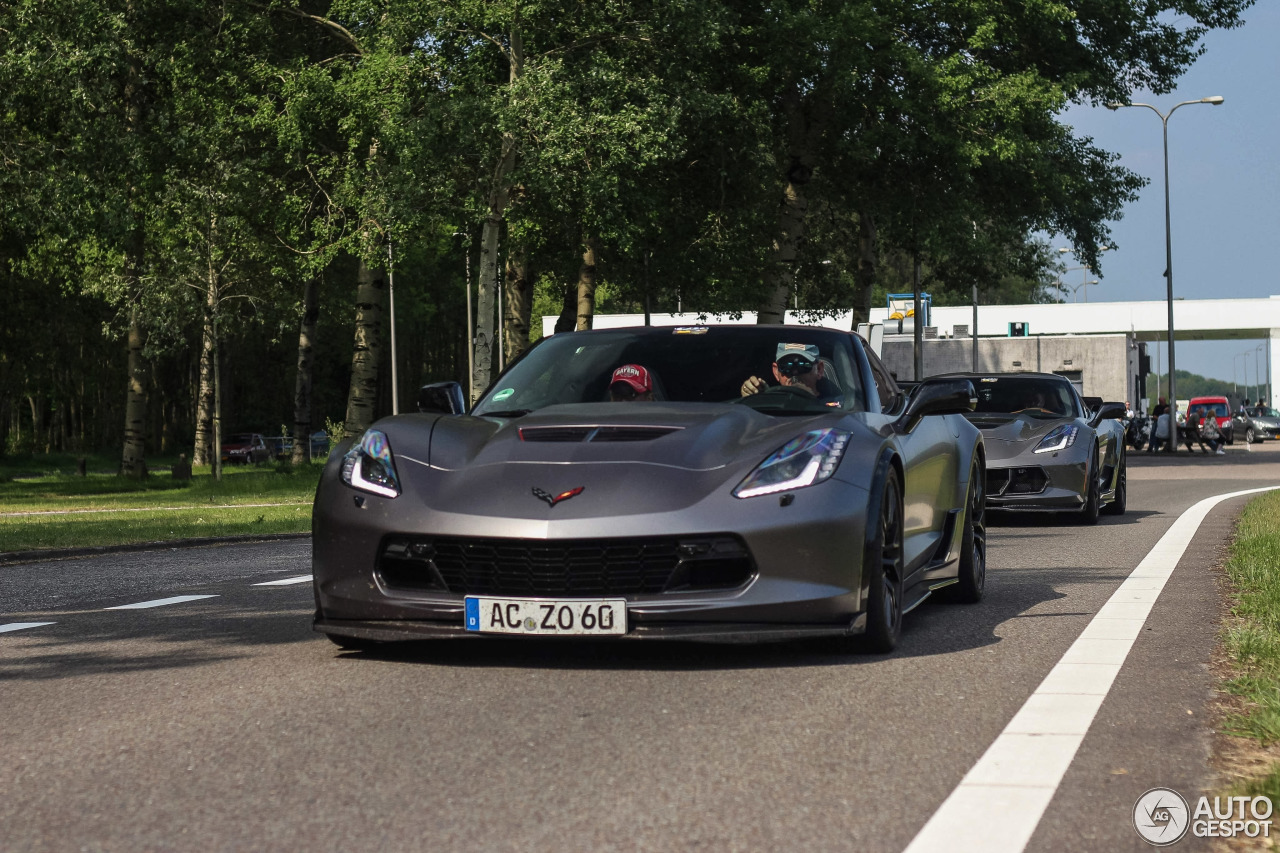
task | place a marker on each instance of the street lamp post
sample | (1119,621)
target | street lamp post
(1168,237)
(1076,288)
(1234,387)
(1257,376)
(1062,285)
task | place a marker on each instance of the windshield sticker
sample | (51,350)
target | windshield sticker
(689,330)
(503,394)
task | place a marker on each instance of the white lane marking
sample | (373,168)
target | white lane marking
(160,602)
(286,581)
(22,626)
(998,804)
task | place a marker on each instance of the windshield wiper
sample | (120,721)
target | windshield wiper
(510,413)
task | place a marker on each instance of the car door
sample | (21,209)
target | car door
(929,466)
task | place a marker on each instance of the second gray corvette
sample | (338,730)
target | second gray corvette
(704,482)
(1048,450)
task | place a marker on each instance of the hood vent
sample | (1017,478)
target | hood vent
(589,433)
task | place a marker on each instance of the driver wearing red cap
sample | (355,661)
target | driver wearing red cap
(630,382)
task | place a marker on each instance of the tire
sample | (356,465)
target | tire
(1250,437)
(884,604)
(973,545)
(1121,501)
(1089,515)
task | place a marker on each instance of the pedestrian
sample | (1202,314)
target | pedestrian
(1209,432)
(1160,437)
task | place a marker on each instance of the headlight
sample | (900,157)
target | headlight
(1059,438)
(370,467)
(806,460)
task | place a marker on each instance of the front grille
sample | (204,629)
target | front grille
(1006,482)
(579,568)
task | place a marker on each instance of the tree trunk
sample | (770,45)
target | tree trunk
(568,309)
(587,284)
(519,304)
(204,450)
(302,386)
(864,274)
(792,228)
(362,398)
(215,356)
(499,196)
(133,459)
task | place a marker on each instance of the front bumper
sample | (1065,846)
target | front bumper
(1048,487)
(805,556)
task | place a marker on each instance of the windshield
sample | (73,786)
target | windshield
(1217,409)
(698,364)
(1028,395)
(1264,412)
(240,439)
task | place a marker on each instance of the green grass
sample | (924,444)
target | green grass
(1253,637)
(67,510)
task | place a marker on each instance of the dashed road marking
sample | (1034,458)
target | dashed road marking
(22,626)
(286,581)
(160,602)
(998,804)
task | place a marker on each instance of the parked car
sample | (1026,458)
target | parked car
(707,507)
(1221,410)
(319,444)
(1256,423)
(281,446)
(245,447)
(1046,449)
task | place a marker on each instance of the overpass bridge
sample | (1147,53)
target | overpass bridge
(1193,320)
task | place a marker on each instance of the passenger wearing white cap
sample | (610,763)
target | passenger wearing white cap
(796,366)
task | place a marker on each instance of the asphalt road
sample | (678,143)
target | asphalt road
(224,723)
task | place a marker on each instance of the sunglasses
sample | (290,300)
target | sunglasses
(794,366)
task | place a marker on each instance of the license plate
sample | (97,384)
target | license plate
(546,617)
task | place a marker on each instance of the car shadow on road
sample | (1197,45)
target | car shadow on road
(96,642)
(1056,520)
(931,629)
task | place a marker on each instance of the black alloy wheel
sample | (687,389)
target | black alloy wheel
(973,545)
(884,605)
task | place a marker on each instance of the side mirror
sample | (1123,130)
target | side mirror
(1108,410)
(938,397)
(441,398)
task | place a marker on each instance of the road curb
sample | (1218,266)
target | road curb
(17,557)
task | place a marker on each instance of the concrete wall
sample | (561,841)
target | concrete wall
(1107,364)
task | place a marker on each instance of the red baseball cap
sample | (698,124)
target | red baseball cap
(635,376)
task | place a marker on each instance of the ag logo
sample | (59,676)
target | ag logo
(551,499)
(1161,816)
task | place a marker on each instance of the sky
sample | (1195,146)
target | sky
(1224,187)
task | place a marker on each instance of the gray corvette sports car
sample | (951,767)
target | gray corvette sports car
(697,483)
(1047,449)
